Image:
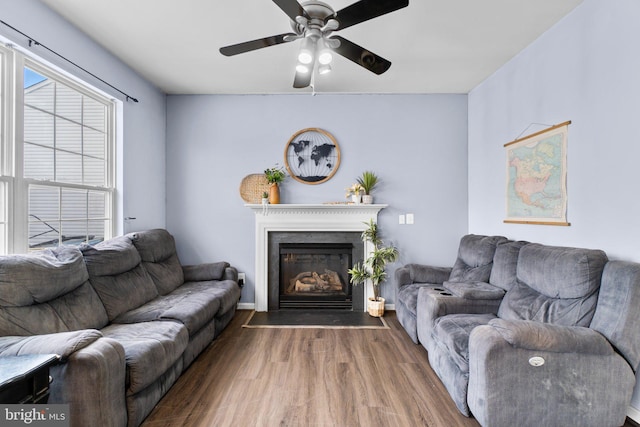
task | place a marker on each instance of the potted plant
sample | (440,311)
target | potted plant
(275,176)
(373,268)
(265,197)
(367,181)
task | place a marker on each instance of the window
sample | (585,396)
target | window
(62,177)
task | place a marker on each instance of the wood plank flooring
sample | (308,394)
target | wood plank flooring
(309,377)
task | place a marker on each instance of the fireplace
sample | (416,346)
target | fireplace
(301,224)
(308,270)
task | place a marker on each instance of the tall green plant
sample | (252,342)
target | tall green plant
(373,268)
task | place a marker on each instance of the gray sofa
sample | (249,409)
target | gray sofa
(558,343)
(125,315)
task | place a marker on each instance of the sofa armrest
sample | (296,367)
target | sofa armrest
(475,290)
(63,343)
(203,272)
(92,382)
(230,273)
(90,377)
(429,274)
(518,386)
(402,276)
(419,273)
(531,335)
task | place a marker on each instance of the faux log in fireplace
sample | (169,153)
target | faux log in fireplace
(315,275)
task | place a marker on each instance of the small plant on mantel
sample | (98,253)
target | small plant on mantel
(368,180)
(275,176)
(374,267)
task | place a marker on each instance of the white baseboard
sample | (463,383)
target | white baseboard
(633,413)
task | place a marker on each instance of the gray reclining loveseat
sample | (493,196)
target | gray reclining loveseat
(124,315)
(561,347)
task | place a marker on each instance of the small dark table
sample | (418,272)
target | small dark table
(25,379)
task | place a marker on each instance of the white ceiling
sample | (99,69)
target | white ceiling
(435,46)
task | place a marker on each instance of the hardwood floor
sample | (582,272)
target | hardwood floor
(309,377)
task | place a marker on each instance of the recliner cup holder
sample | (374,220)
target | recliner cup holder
(439,289)
(446,293)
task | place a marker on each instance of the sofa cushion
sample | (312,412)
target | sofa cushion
(408,296)
(117,275)
(47,292)
(157,249)
(150,348)
(561,272)
(78,309)
(505,264)
(194,304)
(555,285)
(41,276)
(475,258)
(451,334)
(523,303)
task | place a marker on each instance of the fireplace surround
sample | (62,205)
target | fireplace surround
(310,220)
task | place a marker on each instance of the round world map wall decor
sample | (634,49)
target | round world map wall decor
(312,156)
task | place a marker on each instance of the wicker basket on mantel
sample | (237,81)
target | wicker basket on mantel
(252,187)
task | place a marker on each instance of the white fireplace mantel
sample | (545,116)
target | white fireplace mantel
(307,217)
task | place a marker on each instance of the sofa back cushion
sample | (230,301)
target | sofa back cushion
(117,275)
(505,263)
(555,285)
(157,249)
(475,258)
(47,292)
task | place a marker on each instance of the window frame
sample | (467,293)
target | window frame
(12,148)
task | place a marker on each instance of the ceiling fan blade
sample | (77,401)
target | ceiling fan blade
(361,56)
(367,9)
(292,8)
(236,49)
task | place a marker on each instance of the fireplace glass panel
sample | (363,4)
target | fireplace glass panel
(315,275)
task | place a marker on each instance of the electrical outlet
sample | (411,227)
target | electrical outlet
(409,218)
(241,279)
(400,219)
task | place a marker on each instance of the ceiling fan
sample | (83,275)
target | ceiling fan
(314,23)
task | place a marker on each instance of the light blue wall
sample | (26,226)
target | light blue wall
(142,154)
(416,143)
(585,69)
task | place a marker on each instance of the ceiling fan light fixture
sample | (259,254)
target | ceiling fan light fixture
(324,69)
(325,57)
(307,50)
(305,57)
(302,68)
